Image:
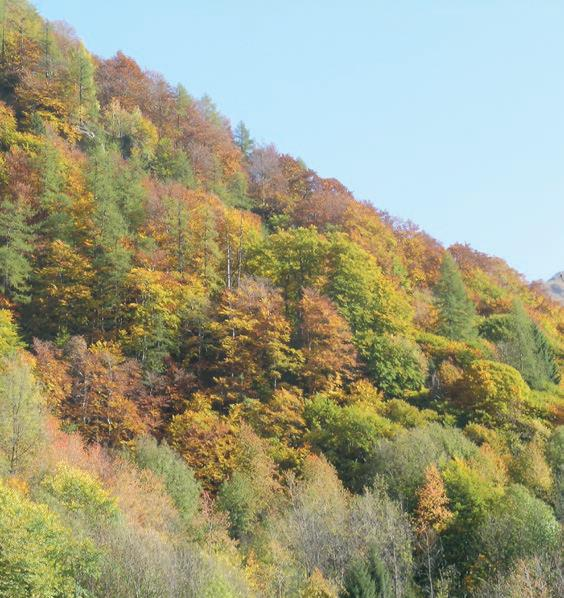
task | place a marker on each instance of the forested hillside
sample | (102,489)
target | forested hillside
(221,375)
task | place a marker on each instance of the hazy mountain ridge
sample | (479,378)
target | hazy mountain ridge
(555,286)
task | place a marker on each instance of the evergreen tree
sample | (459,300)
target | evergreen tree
(16,246)
(243,139)
(456,311)
(367,579)
(54,202)
(82,86)
(523,345)
(111,256)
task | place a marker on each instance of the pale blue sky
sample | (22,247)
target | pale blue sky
(446,112)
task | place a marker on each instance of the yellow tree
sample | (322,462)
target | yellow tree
(432,516)
(253,340)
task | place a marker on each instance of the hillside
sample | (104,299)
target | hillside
(222,375)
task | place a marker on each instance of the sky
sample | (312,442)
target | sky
(449,113)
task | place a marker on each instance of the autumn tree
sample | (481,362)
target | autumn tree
(253,340)
(104,402)
(432,516)
(326,342)
(492,392)
(206,440)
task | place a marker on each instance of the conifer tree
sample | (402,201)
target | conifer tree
(16,246)
(242,138)
(523,345)
(456,311)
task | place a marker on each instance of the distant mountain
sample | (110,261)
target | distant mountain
(555,286)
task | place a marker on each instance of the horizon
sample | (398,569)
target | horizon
(381,104)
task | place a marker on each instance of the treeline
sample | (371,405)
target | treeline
(222,375)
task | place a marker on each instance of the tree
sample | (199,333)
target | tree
(206,440)
(432,517)
(518,526)
(250,491)
(9,339)
(83,90)
(40,557)
(62,292)
(367,579)
(253,338)
(21,414)
(347,436)
(16,247)
(395,364)
(492,392)
(326,343)
(243,139)
(367,299)
(105,400)
(456,311)
(523,345)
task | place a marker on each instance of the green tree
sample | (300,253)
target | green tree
(518,526)
(368,579)
(39,556)
(394,363)
(178,478)
(16,247)
(250,491)
(347,436)
(365,297)
(21,414)
(457,314)
(243,139)
(523,345)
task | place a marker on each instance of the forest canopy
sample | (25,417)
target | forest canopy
(223,375)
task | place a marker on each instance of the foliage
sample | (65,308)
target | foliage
(492,392)
(456,311)
(40,557)
(244,381)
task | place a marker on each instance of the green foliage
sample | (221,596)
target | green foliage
(178,478)
(522,344)
(457,314)
(367,579)
(403,460)
(518,526)
(555,457)
(16,246)
(347,436)
(395,364)
(365,297)
(21,415)
(249,493)
(172,164)
(78,492)
(243,139)
(9,338)
(40,557)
